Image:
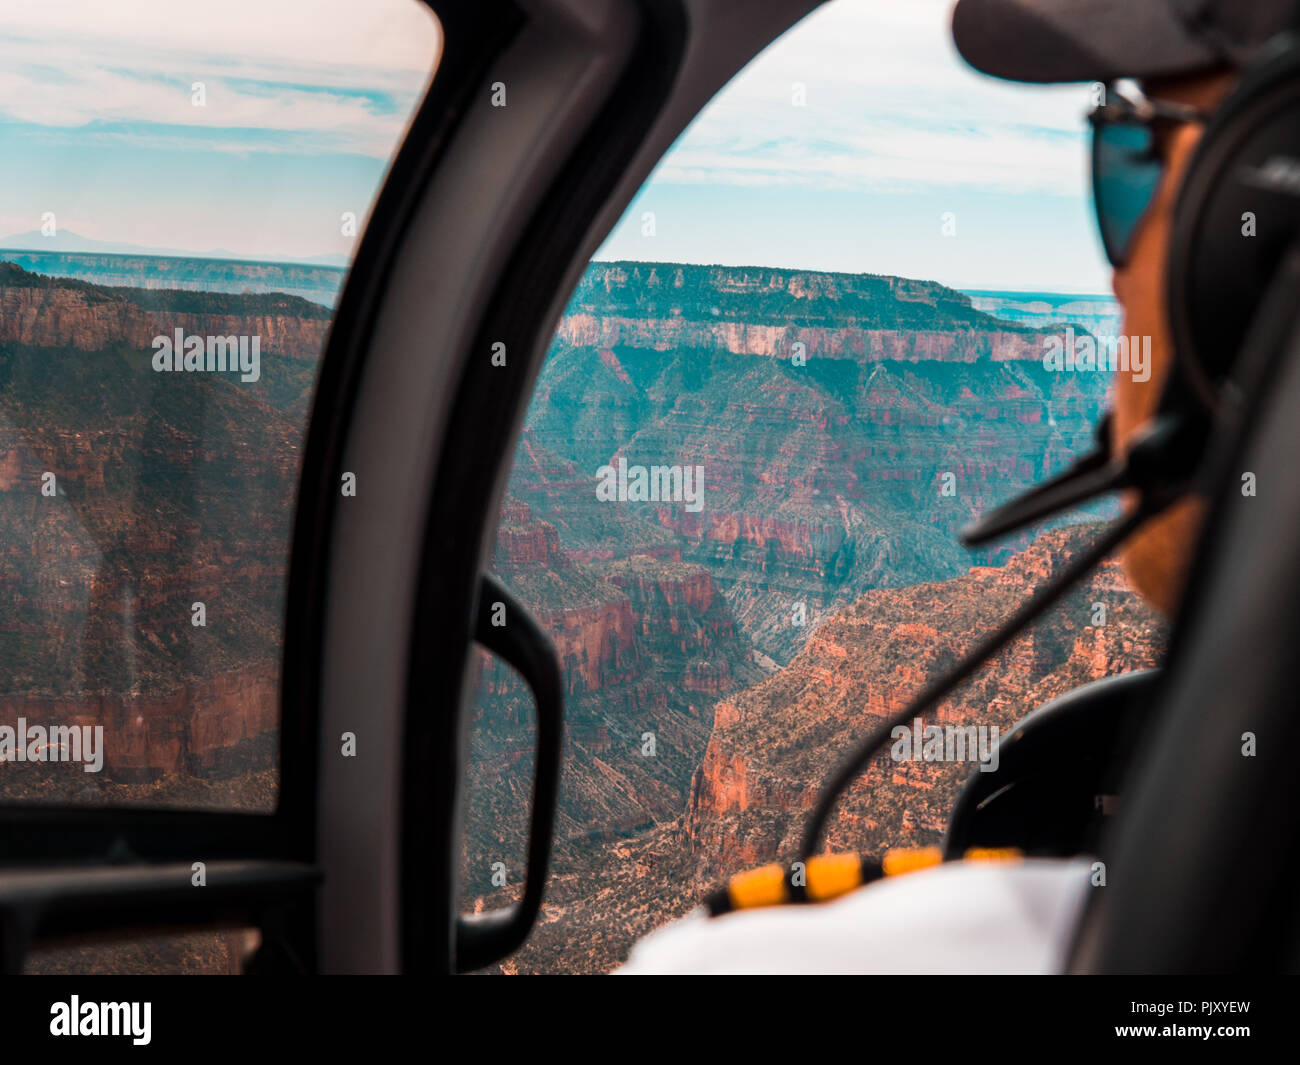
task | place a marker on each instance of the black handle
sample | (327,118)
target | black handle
(484,938)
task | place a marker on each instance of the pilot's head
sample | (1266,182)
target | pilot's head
(1184,57)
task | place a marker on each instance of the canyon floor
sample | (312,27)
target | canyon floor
(773,744)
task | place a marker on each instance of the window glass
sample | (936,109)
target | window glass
(183,189)
(812,349)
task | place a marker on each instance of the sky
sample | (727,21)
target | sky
(896,132)
(306,101)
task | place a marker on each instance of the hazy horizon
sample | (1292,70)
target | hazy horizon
(342,268)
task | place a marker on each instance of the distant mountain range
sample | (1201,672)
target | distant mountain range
(1100,315)
(67,241)
(320,278)
(320,284)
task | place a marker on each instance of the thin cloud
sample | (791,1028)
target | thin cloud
(338,79)
(884,105)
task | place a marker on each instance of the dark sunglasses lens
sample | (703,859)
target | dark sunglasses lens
(1125,175)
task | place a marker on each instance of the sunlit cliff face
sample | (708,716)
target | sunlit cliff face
(1157,558)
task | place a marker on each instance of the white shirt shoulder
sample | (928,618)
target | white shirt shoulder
(959,917)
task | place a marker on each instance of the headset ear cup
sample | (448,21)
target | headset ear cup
(1238,211)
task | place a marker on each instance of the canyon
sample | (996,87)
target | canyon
(717,661)
(315,282)
(126,497)
(847,427)
(773,745)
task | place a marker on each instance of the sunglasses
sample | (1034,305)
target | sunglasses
(1128,133)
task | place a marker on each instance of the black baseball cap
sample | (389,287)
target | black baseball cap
(1103,40)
